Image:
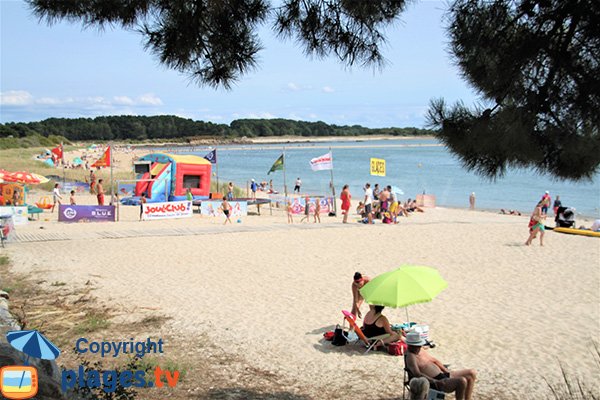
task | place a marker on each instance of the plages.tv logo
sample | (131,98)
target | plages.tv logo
(110,380)
(21,381)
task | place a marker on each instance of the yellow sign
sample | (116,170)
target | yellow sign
(378,166)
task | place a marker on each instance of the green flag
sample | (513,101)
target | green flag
(277,165)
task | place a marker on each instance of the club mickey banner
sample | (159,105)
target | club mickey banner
(172,209)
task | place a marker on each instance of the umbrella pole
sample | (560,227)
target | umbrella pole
(23,376)
(407,319)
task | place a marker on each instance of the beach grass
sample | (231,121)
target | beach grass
(166,364)
(573,388)
(93,322)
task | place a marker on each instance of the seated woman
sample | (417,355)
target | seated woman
(360,209)
(415,207)
(376,324)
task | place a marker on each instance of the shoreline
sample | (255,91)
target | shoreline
(212,141)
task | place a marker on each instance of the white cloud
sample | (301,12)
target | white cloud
(261,115)
(123,100)
(328,89)
(48,101)
(15,98)
(293,87)
(149,99)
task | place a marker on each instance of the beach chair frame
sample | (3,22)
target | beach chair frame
(369,343)
(432,394)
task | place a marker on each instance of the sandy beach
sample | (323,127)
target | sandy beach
(265,292)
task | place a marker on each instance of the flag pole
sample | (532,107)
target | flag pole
(62,161)
(217,165)
(284,181)
(332,186)
(110,158)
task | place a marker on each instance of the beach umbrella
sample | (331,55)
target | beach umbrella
(41,178)
(5,175)
(409,284)
(34,344)
(77,161)
(397,190)
(23,177)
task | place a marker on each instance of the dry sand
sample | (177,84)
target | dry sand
(266,291)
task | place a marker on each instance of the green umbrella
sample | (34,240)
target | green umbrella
(404,286)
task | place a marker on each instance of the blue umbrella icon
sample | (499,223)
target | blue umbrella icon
(34,344)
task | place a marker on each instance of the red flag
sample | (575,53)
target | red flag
(58,151)
(103,161)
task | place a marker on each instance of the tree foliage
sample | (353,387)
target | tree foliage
(215,42)
(168,127)
(536,64)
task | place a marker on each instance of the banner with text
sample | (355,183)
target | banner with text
(323,163)
(214,208)
(172,209)
(299,205)
(78,187)
(378,166)
(67,213)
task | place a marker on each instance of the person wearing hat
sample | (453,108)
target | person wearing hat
(254,188)
(422,364)
(546,201)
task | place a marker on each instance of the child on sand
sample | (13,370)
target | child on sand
(290,214)
(226,207)
(536,224)
(317,214)
(56,196)
(306,210)
(143,201)
(72,198)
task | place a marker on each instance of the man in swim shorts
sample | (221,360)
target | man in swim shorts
(226,209)
(422,364)
(357,299)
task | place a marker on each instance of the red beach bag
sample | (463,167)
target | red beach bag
(397,349)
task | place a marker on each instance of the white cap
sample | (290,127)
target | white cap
(253,180)
(547,192)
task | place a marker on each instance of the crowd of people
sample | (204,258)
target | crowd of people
(424,370)
(377,203)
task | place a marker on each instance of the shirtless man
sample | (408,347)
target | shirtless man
(100,192)
(357,299)
(422,364)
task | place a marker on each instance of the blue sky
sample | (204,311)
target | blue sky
(65,71)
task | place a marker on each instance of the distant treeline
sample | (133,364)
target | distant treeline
(140,128)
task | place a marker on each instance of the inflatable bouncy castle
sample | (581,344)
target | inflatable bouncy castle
(166,177)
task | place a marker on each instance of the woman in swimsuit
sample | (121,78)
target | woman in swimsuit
(376,324)
(537,218)
(345,197)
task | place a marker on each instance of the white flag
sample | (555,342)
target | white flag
(322,163)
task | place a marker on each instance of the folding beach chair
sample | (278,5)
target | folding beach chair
(431,395)
(368,342)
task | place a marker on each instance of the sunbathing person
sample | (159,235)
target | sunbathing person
(422,364)
(376,324)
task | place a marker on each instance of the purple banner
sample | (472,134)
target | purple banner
(86,213)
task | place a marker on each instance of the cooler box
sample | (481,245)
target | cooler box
(422,329)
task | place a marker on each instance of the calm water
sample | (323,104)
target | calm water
(431,169)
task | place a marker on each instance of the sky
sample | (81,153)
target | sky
(65,71)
